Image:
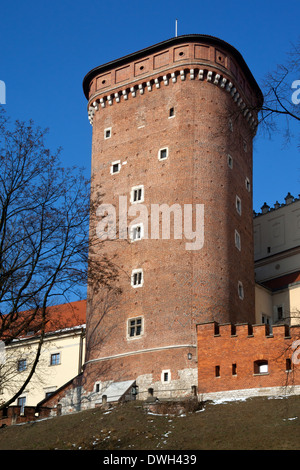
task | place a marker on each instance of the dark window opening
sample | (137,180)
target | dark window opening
(261,367)
(288,364)
(217,371)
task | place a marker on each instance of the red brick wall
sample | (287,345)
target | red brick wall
(242,348)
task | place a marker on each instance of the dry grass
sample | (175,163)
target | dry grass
(253,424)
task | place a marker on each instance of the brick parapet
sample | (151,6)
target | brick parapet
(226,361)
(183,58)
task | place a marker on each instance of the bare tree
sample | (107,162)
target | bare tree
(44,241)
(281,90)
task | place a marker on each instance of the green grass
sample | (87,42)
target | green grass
(253,424)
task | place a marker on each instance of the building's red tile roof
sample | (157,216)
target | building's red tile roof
(59,317)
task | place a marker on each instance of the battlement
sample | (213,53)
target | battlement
(244,329)
(245,356)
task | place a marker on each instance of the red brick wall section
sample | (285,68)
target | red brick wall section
(13,415)
(241,345)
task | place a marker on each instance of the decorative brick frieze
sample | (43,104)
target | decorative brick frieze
(99,100)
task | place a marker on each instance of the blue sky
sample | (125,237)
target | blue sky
(48,47)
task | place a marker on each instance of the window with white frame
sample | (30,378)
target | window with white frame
(136,232)
(137,194)
(240,290)
(137,278)
(163,153)
(166,376)
(107,133)
(237,238)
(135,327)
(21,402)
(115,167)
(247,184)
(238,205)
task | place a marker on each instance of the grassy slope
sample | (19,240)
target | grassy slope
(257,423)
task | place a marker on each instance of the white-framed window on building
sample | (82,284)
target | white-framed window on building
(115,167)
(240,290)
(237,239)
(137,194)
(97,387)
(137,278)
(135,327)
(165,376)
(136,232)
(107,133)
(238,205)
(248,184)
(163,153)
(21,402)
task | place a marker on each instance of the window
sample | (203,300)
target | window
(136,232)
(21,402)
(22,365)
(217,371)
(163,153)
(247,184)
(288,365)
(230,161)
(261,367)
(107,133)
(279,312)
(166,376)
(240,290)
(233,369)
(171,112)
(137,278)
(135,327)
(97,387)
(238,205)
(266,320)
(237,240)
(137,194)
(55,359)
(115,167)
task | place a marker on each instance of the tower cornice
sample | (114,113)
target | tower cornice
(189,38)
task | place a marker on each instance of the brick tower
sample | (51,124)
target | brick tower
(172,125)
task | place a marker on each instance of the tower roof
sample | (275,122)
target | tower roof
(203,38)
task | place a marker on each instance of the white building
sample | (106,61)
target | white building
(277,262)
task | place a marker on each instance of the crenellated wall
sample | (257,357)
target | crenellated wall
(235,357)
